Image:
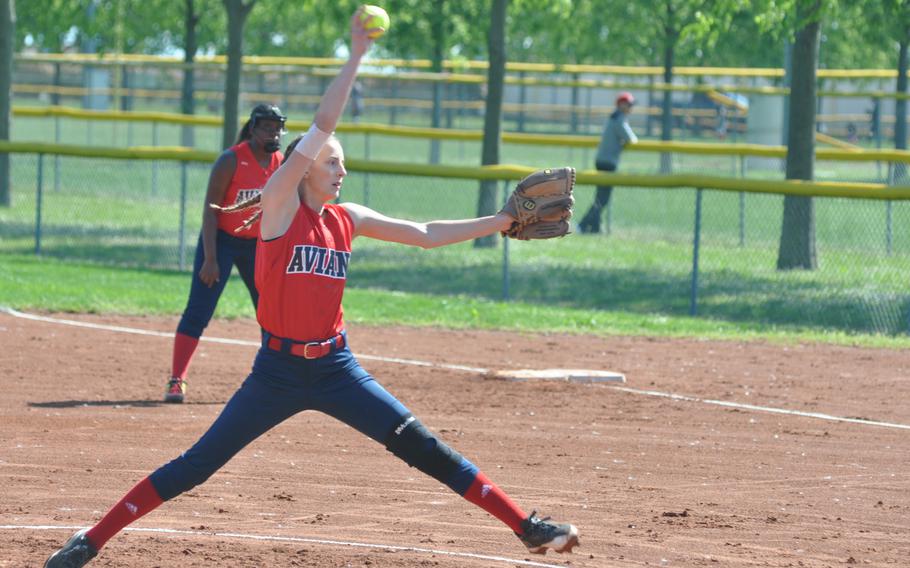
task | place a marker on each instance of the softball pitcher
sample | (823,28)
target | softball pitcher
(305,363)
(238,174)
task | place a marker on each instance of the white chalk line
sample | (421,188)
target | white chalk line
(770,409)
(302,540)
(224,341)
(482,371)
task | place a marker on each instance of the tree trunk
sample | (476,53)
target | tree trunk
(237,12)
(797,240)
(439,47)
(188,90)
(492,120)
(7,29)
(670,37)
(900,109)
(899,176)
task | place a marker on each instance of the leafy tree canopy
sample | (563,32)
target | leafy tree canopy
(743,33)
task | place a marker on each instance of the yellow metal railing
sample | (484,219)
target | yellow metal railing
(636,70)
(503,172)
(322,67)
(564,140)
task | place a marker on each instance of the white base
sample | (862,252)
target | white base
(575,375)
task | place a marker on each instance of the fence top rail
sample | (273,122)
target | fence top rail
(502,172)
(507,172)
(578,141)
(467,78)
(177,153)
(636,70)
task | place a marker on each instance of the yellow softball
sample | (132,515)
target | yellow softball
(375,17)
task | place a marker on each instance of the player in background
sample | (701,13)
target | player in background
(616,134)
(305,363)
(237,175)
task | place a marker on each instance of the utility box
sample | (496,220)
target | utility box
(765,126)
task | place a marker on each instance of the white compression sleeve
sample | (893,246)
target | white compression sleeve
(312,142)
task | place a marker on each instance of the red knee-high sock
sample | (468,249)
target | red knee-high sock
(489,497)
(184,348)
(142,499)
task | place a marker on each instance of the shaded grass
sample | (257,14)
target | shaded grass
(653,279)
(47,284)
(128,213)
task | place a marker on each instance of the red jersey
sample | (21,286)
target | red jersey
(301,275)
(249,179)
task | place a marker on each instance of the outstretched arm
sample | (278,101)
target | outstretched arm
(279,196)
(629,135)
(369,223)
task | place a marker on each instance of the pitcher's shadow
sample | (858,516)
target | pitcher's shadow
(114,403)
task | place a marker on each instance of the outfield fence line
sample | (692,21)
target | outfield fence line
(551,108)
(743,150)
(100,213)
(462,79)
(744,159)
(515,172)
(547,99)
(278,61)
(73,112)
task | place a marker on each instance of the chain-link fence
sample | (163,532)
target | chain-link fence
(706,106)
(99,130)
(133,213)
(148,213)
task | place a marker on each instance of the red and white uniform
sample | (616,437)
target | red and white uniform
(249,179)
(301,275)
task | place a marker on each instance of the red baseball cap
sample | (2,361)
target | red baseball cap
(625,98)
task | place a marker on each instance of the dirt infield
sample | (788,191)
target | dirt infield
(649,480)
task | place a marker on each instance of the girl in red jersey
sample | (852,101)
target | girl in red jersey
(302,260)
(224,242)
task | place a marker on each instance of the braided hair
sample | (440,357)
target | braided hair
(246,133)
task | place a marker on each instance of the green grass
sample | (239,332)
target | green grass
(48,284)
(109,212)
(127,213)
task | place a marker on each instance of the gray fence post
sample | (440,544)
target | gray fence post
(589,120)
(182,235)
(573,118)
(56,157)
(366,176)
(742,218)
(155,162)
(889,227)
(742,203)
(696,244)
(393,108)
(506,283)
(522,100)
(39,199)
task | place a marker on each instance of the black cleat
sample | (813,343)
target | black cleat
(76,553)
(541,534)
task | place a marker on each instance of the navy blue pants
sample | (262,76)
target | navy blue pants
(590,223)
(279,387)
(230,251)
